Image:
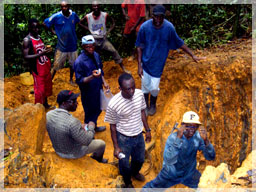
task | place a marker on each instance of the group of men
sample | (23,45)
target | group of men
(127,110)
(63,25)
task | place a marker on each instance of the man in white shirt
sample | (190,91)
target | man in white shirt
(126,115)
(97,21)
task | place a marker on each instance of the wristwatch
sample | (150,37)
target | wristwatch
(148,130)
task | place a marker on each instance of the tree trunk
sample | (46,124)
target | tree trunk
(236,22)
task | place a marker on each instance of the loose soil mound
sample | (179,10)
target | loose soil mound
(218,88)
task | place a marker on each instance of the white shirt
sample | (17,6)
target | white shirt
(97,27)
(126,113)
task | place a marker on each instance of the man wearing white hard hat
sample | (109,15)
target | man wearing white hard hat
(179,165)
(90,78)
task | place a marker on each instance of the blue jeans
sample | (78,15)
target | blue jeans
(134,147)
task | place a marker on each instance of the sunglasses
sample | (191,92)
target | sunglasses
(191,127)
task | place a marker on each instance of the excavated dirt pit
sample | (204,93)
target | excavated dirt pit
(218,88)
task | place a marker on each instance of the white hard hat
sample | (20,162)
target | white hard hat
(191,117)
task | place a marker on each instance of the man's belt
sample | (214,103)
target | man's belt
(130,136)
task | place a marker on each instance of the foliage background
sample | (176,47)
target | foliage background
(200,25)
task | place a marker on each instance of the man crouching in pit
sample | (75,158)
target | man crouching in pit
(71,139)
(180,151)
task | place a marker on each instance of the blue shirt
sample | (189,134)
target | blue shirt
(155,44)
(65,28)
(83,67)
(180,154)
(90,91)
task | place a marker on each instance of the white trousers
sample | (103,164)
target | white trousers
(150,84)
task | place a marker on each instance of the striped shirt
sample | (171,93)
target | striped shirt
(126,113)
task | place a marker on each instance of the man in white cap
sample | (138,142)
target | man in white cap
(90,77)
(179,165)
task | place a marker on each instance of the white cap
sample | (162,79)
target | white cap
(191,117)
(88,39)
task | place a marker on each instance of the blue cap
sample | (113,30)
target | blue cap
(159,10)
(88,39)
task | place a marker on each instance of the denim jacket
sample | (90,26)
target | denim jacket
(180,154)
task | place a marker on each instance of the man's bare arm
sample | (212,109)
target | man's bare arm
(188,51)
(82,21)
(49,29)
(25,49)
(140,71)
(117,150)
(113,24)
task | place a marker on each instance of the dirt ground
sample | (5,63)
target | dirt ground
(219,88)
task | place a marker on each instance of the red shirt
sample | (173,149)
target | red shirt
(43,63)
(135,11)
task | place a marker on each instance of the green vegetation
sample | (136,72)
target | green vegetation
(199,25)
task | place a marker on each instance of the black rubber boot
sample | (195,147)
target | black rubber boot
(152,109)
(99,159)
(100,129)
(47,106)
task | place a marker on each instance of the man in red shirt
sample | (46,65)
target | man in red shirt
(34,53)
(134,17)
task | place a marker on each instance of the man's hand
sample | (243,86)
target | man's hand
(195,58)
(106,86)
(47,50)
(106,35)
(180,131)
(203,134)
(127,18)
(117,151)
(96,73)
(133,28)
(148,137)
(84,126)
(53,31)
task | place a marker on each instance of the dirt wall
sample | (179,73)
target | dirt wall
(217,88)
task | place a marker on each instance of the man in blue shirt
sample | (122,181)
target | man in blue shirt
(64,23)
(90,77)
(155,38)
(180,152)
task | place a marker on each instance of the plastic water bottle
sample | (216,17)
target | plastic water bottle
(121,155)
